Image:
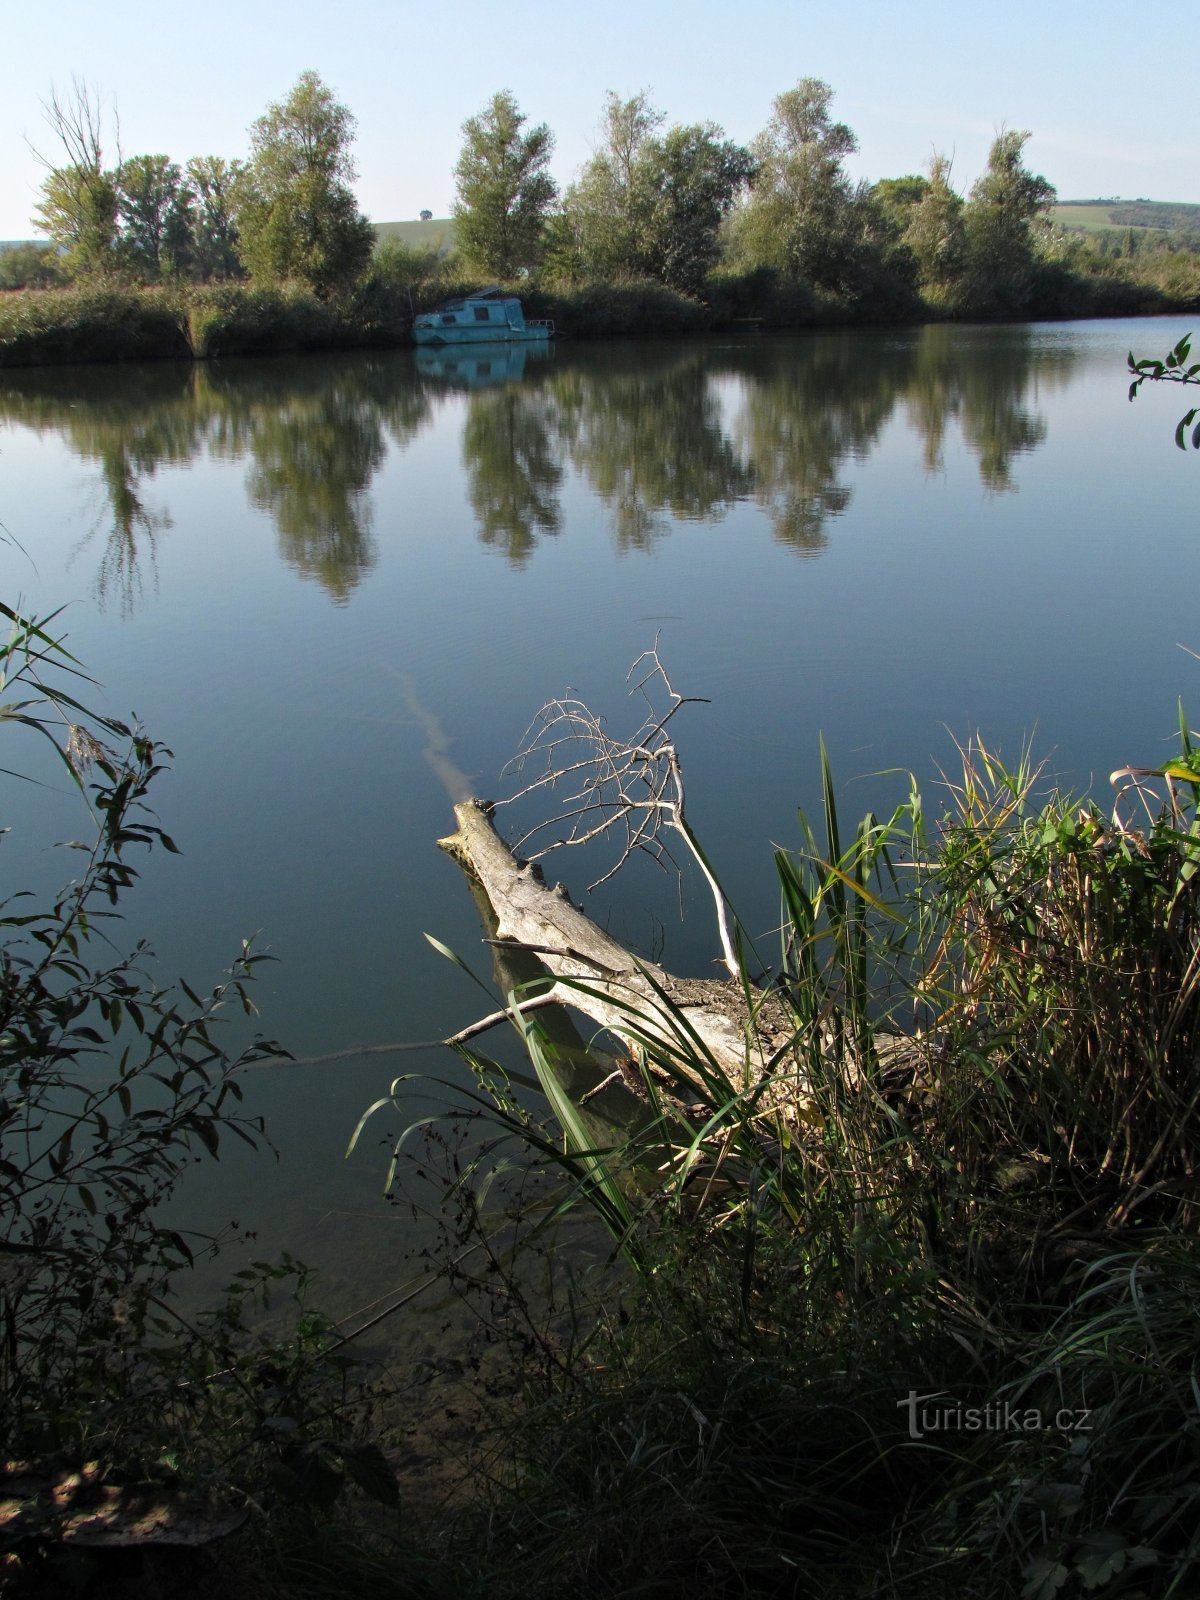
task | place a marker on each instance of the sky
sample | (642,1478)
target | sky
(1093,82)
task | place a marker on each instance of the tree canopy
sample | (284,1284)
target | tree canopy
(155,208)
(999,218)
(804,216)
(936,233)
(297,216)
(649,205)
(504,190)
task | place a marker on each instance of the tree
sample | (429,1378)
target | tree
(607,209)
(804,215)
(78,208)
(29,266)
(504,190)
(296,213)
(935,233)
(650,206)
(693,176)
(999,220)
(213,182)
(155,210)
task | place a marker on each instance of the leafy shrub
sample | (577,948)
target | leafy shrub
(109,1087)
(30,266)
(40,327)
(640,307)
(242,320)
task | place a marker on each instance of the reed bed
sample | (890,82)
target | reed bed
(915,1312)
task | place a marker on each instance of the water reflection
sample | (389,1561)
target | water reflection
(644,426)
(983,380)
(129,430)
(513,469)
(661,434)
(804,411)
(477,366)
(314,445)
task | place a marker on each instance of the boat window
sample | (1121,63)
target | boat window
(482,314)
(447,319)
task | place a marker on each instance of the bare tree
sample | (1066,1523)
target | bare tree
(79,201)
(77,122)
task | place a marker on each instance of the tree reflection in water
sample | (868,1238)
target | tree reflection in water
(512,468)
(662,434)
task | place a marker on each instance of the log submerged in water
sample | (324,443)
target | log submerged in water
(740,1037)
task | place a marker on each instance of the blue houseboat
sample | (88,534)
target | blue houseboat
(487,316)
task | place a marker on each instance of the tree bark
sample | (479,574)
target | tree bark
(740,1031)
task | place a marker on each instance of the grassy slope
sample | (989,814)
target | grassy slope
(439,232)
(1094,216)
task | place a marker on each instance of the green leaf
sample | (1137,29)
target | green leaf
(371,1471)
(1044,1577)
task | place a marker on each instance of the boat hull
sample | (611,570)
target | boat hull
(482,334)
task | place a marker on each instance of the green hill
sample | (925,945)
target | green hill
(436,234)
(1095,216)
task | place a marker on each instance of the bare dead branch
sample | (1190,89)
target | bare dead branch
(76,119)
(630,789)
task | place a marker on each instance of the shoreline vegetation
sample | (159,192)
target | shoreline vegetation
(114,323)
(666,230)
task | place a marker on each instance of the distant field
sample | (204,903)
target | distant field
(1094,216)
(437,234)
(1083,216)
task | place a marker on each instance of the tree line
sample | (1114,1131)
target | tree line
(683,207)
(285,212)
(675,206)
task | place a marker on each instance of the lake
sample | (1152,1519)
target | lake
(335,585)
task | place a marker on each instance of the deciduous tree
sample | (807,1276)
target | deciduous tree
(297,216)
(504,190)
(805,216)
(999,219)
(652,206)
(154,206)
(607,210)
(78,208)
(693,176)
(936,234)
(213,182)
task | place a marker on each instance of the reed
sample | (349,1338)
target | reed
(969,1171)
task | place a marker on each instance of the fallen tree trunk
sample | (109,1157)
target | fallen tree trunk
(739,1030)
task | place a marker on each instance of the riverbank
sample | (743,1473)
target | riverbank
(48,327)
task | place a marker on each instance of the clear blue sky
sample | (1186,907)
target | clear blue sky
(1090,80)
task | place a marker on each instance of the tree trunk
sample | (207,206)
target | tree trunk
(623,994)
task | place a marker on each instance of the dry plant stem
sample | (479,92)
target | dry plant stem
(632,788)
(495,1018)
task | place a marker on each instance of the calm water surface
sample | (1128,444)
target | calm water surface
(307,576)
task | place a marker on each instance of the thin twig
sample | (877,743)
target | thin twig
(630,789)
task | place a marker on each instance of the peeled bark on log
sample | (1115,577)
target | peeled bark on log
(739,1037)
